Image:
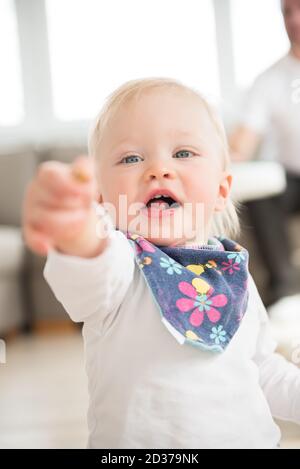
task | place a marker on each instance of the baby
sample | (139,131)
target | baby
(178,348)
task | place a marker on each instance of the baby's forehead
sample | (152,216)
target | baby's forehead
(184,95)
(155,112)
(159,103)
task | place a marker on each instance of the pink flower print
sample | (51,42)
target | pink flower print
(230,266)
(200,297)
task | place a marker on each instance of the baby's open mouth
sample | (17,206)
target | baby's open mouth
(162,202)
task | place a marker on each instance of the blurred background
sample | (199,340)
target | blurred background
(59,60)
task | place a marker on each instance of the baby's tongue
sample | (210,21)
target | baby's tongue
(159,205)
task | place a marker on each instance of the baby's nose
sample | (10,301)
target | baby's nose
(159,172)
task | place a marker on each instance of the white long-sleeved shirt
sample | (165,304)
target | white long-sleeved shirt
(148,391)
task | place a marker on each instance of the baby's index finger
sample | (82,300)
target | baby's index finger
(57,178)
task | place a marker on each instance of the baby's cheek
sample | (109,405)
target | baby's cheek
(204,198)
(203,193)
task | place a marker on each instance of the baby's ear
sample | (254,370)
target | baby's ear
(224,191)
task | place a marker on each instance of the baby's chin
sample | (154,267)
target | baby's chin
(170,241)
(167,233)
(177,243)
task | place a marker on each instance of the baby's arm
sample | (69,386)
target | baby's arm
(91,289)
(279,379)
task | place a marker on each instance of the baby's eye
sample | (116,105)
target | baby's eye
(183,154)
(131,159)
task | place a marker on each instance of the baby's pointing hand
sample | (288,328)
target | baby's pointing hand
(58,212)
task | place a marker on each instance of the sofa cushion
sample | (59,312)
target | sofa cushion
(16,170)
(11,250)
(255,180)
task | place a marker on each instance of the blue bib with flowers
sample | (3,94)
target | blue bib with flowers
(201,292)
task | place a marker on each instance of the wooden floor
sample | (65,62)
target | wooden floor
(43,395)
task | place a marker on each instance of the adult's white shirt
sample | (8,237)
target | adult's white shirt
(272,108)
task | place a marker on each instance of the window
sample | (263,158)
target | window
(259,37)
(11,93)
(97,45)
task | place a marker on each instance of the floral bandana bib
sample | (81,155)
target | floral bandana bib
(201,292)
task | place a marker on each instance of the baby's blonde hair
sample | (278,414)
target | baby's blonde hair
(225,223)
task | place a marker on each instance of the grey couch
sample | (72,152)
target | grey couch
(15,171)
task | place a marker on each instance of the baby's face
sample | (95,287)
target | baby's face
(163,145)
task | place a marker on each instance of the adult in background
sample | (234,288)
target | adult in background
(273,105)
